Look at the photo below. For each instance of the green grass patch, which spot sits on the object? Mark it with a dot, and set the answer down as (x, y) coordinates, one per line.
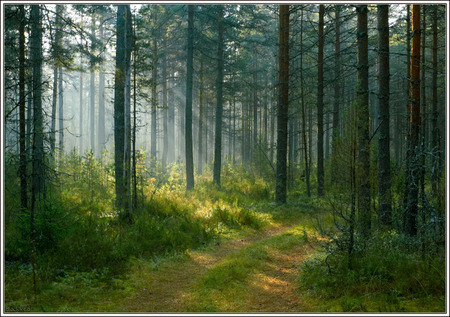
(387, 277)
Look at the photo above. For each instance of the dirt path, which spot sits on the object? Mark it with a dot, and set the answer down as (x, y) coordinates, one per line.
(171, 287)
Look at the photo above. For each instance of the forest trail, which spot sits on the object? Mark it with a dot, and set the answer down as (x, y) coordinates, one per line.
(179, 286)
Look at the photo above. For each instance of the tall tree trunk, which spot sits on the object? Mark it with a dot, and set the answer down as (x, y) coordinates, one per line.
(58, 38)
(92, 89)
(408, 95)
(134, 119)
(320, 170)
(171, 124)
(38, 171)
(423, 111)
(127, 97)
(243, 133)
(81, 113)
(38, 165)
(234, 129)
(219, 106)
(53, 118)
(189, 75)
(384, 157)
(101, 100)
(414, 173)
(283, 104)
(363, 122)
(206, 132)
(165, 113)
(337, 90)
(302, 93)
(29, 79)
(200, 123)
(154, 92)
(272, 121)
(56, 46)
(37, 188)
(22, 100)
(255, 103)
(121, 106)
(61, 110)
(435, 175)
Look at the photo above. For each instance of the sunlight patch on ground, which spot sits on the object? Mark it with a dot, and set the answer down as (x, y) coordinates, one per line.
(203, 259)
(270, 283)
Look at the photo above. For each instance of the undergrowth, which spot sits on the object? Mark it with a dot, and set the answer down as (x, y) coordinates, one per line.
(83, 244)
(390, 275)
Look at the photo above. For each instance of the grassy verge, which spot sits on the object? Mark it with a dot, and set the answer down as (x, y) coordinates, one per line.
(387, 277)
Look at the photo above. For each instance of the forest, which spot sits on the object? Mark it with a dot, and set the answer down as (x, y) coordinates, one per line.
(219, 158)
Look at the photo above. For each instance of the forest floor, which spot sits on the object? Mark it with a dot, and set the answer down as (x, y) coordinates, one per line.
(222, 277)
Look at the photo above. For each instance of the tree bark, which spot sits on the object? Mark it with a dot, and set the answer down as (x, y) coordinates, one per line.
(200, 123)
(171, 124)
(435, 175)
(121, 106)
(219, 106)
(53, 117)
(423, 111)
(414, 173)
(154, 92)
(165, 113)
(92, 89)
(22, 122)
(101, 101)
(363, 122)
(188, 109)
(320, 170)
(302, 93)
(408, 96)
(61, 110)
(37, 176)
(337, 90)
(384, 157)
(283, 104)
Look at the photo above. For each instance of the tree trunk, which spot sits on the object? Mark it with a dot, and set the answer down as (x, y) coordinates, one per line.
(320, 171)
(255, 104)
(435, 175)
(423, 111)
(234, 129)
(171, 124)
(414, 173)
(154, 92)
(363, 122)
(22, 122)
(127, 97)
(53, 118)
(134, 119)
(165, 113)
(188, 109)
(37, 176)
(337, 91)
(384, 157)
(283, 104)
(81, 109)
(200, 123)
(92, 90)
(61, 110)
(219, 106)
(302, 93)
(121, 113)
(408, 92)
(101, 102)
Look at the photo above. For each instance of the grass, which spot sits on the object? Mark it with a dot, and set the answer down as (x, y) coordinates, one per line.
(228, 249)
(385, 278)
